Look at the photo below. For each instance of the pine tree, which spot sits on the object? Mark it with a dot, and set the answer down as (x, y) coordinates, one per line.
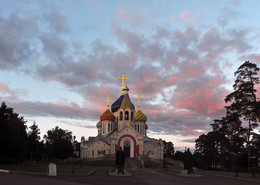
(243, 99)
(13, 136)
(34, 142)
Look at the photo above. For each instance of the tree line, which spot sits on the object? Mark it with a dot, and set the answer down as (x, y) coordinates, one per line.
(233, 142)
(19, 143)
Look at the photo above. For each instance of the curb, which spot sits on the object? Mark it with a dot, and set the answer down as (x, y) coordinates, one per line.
(45, 174)
(4, 171)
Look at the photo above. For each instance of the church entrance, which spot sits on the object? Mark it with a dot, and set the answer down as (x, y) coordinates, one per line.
(127, 148)
(128, 144)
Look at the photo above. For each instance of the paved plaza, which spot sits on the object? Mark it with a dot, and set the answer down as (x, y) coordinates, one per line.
(101, 177)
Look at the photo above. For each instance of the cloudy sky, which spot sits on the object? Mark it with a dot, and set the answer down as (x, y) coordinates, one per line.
(60, 59)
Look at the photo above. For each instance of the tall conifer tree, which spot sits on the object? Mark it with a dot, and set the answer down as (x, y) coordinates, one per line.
(243, 99)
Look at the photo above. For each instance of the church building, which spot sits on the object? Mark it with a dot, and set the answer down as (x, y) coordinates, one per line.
(122, 126)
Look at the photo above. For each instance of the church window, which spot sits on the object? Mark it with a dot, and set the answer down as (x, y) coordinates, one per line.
(126, 115)
(104, 128)
(121, 116)
(93, 153)
(98, 152)
(138, 128)
(108, 127)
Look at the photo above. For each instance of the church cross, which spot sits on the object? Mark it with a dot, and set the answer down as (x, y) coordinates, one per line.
(108, 97)
(123, 80)
(139, 101)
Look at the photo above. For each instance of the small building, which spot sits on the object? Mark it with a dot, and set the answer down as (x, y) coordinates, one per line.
(122, 126)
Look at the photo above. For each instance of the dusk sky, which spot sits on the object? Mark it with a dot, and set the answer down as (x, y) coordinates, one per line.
(60, 59)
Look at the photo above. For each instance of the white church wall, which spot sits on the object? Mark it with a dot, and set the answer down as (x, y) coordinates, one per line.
(97, 149)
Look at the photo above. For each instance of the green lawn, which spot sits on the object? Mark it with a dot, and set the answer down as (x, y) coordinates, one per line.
(63, 167)
(153, 164)
(43, 168)
(108, 163)
(99, 163)
(170, 168)
(175, 170)
(232, 174)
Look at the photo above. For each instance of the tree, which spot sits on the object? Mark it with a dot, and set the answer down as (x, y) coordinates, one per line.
(243, 99)
(36, 147)
(169, 149)
(13, 136)
(58, 143)
(205, 147)
(255, 148)
(179, 155)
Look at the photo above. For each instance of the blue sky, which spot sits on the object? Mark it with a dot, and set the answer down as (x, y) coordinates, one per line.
(59, 60)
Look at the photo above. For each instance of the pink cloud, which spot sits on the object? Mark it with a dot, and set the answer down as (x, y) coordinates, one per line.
(192, 133)
(205, 101)
(131, 17)
(190, 17)
(186, 16)
(8, 93)
(4, 88)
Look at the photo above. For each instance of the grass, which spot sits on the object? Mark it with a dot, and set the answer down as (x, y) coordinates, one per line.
(106, 163)
(170, 168)
(233, 174)
(175, 170)
(24, 168)
(153, 164)
(63, 167)
(43, 168)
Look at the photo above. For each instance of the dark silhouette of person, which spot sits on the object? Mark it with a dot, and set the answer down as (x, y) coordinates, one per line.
(120, 158)
(188, 161)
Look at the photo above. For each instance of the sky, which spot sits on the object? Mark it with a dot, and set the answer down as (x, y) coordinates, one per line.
(60, 59)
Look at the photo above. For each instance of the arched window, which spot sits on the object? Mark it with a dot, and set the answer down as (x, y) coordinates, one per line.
(121, 116)
(132, 116)
(93, 153)
(126, 115)
(108, 127)
(104, 128)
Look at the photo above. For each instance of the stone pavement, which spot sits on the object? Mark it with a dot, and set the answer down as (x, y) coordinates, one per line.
(101, 177)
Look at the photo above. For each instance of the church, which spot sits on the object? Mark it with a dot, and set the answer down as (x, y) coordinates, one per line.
(121, 125)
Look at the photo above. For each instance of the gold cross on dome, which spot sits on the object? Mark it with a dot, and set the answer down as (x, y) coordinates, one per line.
(123, 80)
(139, 101)
(108, 97)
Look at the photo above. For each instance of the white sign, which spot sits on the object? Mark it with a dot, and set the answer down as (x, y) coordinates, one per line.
(52, 169)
